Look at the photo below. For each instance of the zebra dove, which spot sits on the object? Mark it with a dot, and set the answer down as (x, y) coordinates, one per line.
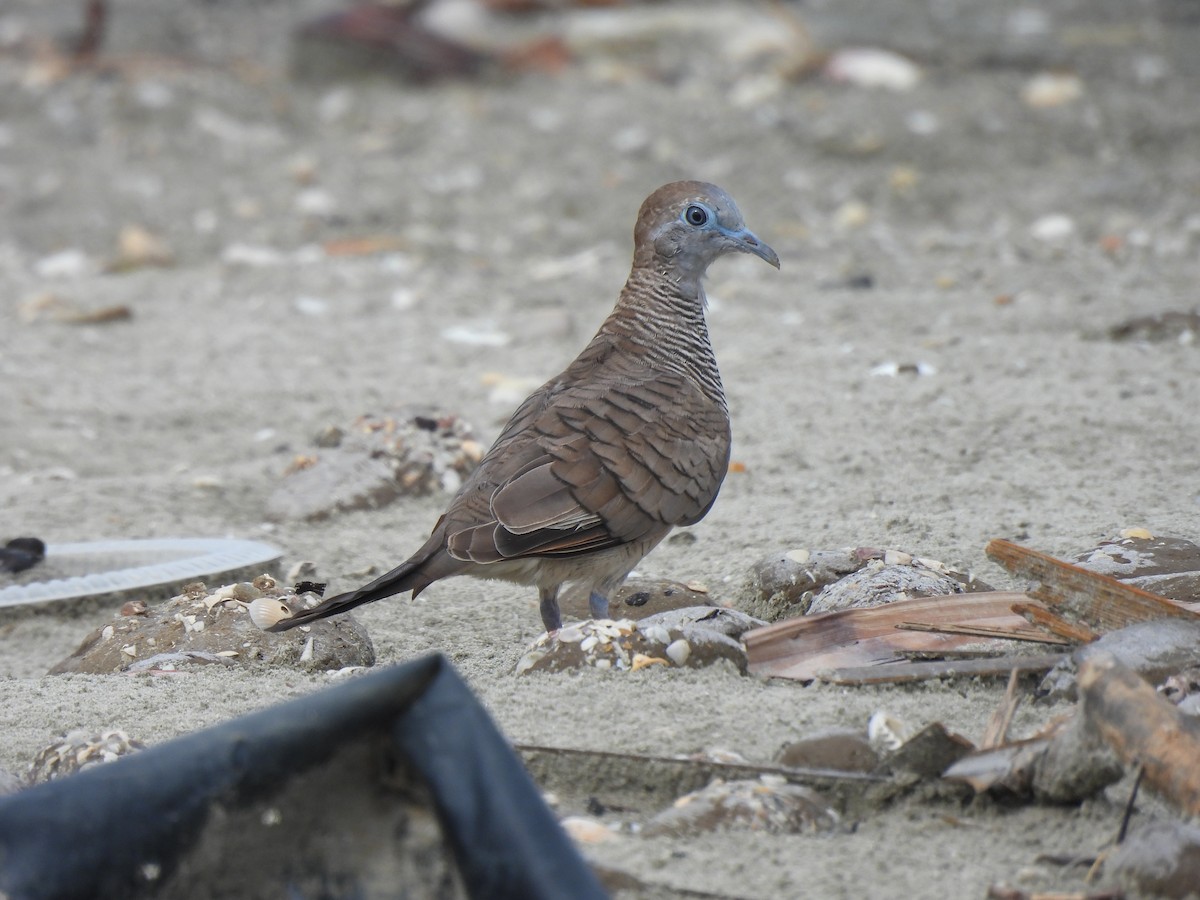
(602, 461)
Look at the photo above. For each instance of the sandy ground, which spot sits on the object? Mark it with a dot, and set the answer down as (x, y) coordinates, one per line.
(511, 201)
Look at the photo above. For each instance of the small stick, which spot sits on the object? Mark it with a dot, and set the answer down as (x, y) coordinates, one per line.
(1137, 783)
(996, 733)
(987, 631)
(95, 22)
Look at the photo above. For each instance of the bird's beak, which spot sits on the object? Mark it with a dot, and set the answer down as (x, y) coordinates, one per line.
(748, 242)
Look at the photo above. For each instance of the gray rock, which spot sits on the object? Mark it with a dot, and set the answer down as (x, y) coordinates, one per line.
(843, 749)
(1155, 650)
(877, 583)
(1161, 859)
(783, 584)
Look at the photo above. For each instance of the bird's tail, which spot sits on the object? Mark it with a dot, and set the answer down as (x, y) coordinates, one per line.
(408, 576)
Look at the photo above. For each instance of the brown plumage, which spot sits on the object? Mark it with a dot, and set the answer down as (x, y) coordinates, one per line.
(599, 463)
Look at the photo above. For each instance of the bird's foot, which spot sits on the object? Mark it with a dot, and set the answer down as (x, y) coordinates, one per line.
(551, 615)
(598, 606)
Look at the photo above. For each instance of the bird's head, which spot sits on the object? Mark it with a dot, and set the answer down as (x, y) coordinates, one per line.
(687, 224)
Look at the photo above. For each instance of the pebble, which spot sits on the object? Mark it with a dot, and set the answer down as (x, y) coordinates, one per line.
(1053, 228)
(71, 263)
(872, 67)
(1050, 89)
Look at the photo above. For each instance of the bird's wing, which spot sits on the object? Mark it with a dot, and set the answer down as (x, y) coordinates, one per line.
(596, 463)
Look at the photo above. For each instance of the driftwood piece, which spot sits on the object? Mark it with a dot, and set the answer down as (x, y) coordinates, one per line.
(805, 647)
(1096, 601)
(905, 672)
(1144, 728)
(1057, 626)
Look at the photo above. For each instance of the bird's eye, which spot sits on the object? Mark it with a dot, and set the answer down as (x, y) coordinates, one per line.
(696, 215)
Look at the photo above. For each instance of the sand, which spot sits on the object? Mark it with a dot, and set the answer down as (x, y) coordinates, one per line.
(511, 202)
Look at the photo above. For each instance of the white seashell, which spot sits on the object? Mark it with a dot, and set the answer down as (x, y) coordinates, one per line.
(528, 661)
(266, 611)
(933, 565)
(227, 653)
(306, 654)
(897, 558)
(679, 651)
(588, 643)
(656, 633)
(799, 556)
(603, 664)
(572, 634)
(129, 649)
(107, 633)
(887, 731)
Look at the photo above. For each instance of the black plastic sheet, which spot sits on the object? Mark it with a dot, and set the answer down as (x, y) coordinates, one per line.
(304, 799)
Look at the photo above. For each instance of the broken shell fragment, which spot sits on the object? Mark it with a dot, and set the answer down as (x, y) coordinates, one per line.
(266, 611)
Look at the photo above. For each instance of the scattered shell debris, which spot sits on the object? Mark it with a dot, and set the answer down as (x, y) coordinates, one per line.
(375, 460)
(627, 646)
(223, 627)
(800, 581)
(769, 804)
(79, 750)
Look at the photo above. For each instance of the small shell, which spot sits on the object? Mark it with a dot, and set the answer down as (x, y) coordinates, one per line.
(897, 558)
(1142, 533)
(572, 634)
(656, 633)
(306, 654)
(264, 582)
(107, 633)
(588, 643)
(679, 651)
(129, 649)
(642, 661)
(266, 611)
(586, 831)
(887, 732)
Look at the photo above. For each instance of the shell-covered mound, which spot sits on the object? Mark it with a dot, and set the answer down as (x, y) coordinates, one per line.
(673, 640)
(217, 627)
(374, 460)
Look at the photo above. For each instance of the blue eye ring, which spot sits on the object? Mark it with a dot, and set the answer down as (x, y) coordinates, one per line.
(696, 215)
